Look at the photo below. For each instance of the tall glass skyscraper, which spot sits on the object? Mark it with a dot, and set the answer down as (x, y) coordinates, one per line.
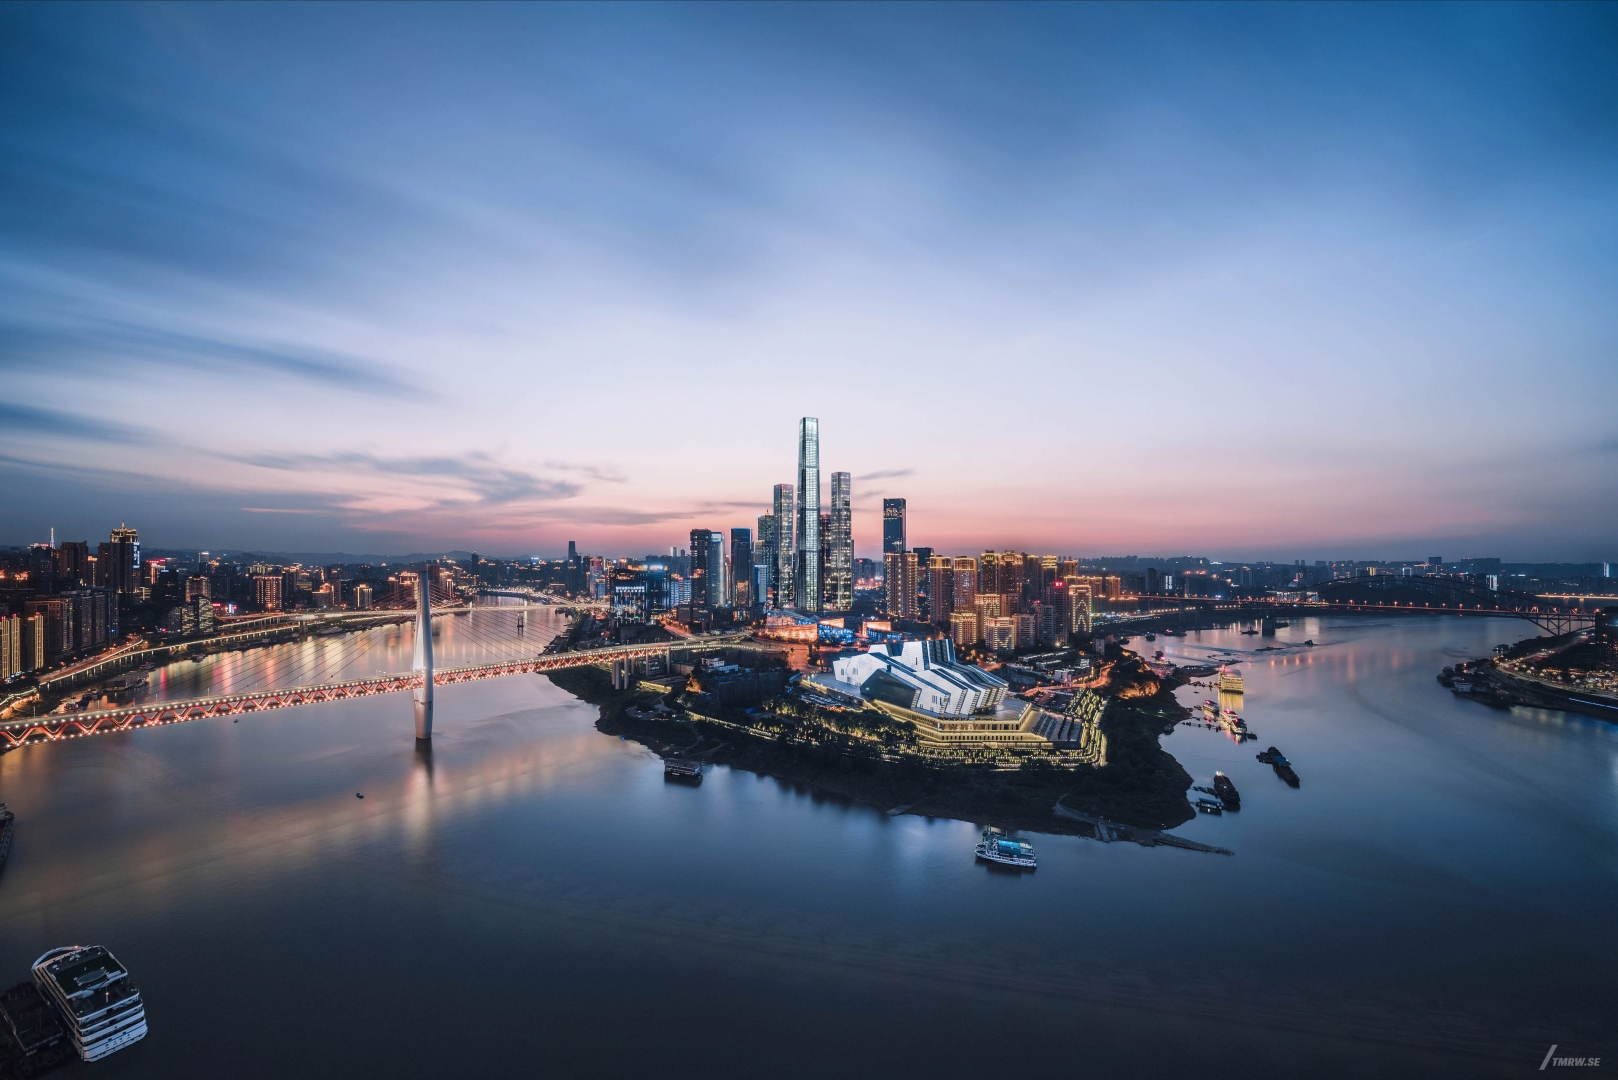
(785, 551)
(808, 531)
(741, 568)
(840, 566)
(893, 526)
(764, 559)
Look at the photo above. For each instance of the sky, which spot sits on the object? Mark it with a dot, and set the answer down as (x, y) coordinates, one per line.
(1275, 281)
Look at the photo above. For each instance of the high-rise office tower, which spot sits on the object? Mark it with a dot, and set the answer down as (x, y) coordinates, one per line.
(966, 583)
(124, 548)
(840, 566)
(893, 525)
(825, 561)
(786, 555)
(718, 591)
(741, 567)
(808, 530)
(761, 582)
(899, 583)
(940, 587)
(989, 573)
(764, 559)
(702, 570)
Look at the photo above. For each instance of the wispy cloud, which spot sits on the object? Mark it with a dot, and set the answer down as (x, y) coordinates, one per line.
(48, 423)
(885, 474)
(475, 471)
(100, 343)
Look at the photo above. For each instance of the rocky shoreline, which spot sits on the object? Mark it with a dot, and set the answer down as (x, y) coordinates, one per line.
(1141, 787)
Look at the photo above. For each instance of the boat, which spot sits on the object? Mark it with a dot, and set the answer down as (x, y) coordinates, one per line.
(681, 769)
(1230, 683)
(1150, 636)
(1006, 850)
(35, 1029)
(1227, 791)
(8, 822)
(1209, 806)
(95, 996)
(1462, 686)
(1283, 768)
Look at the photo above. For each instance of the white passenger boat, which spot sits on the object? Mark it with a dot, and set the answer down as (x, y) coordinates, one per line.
(95, 996)
(997, 847)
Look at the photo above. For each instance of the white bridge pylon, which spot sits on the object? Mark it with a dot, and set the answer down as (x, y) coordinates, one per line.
(423, 693)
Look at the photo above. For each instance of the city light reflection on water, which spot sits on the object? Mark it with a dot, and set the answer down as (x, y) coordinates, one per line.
(531, 888)
(485, 635)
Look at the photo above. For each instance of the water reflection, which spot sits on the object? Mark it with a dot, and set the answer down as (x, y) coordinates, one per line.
(484, 635)
(1441, 879)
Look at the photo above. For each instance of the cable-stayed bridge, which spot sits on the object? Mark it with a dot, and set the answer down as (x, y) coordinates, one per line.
(478, 641)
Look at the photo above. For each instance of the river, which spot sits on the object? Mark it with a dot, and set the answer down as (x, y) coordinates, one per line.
(533, 898)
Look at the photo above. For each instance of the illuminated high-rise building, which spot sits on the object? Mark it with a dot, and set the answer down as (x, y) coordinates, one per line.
(786, 553)
(124, 568)
(941, 587)
(963, 627)
(965, 583)
(808, 522)
(893, 525)
(989, 573)
(840, 547)
(899, 583)
(1079, 606)
(986, 606)
(267, 591)
(764, 559)
(741, 568)
(1000, 634)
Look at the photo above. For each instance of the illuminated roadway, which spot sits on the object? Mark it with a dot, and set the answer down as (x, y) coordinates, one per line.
(153, 714)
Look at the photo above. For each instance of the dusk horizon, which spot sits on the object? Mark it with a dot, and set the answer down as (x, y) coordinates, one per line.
(910, 541)
(1306, 282)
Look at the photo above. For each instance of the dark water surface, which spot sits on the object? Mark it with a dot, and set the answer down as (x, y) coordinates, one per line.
(1438, 898)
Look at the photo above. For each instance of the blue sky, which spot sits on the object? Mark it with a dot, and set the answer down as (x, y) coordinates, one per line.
(1285, 281)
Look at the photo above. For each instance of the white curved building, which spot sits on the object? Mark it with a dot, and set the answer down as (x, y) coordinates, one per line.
(921, 676)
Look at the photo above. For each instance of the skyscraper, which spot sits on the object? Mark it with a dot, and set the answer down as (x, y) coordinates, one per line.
(899, 583)
(941, 587)
(741, 567)
(717, 593)
(764, 559)
(893, 525)
(703, 571)
(786, 559)
(840, 568)
(966, 583)
(124, 548)
(808, 530)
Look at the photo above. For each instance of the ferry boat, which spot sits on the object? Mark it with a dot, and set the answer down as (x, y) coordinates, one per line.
(34, 1028)
(95, 996)
(1230, 683)
(998, 847)
(689, 772)
(1226, 791)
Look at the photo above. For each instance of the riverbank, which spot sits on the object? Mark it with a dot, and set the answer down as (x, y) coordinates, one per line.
(1141, 786)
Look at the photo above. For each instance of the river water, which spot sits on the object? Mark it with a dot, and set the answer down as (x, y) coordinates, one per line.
(533, 898)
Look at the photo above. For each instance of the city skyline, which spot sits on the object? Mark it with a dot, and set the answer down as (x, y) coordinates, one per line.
(1339, 295)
